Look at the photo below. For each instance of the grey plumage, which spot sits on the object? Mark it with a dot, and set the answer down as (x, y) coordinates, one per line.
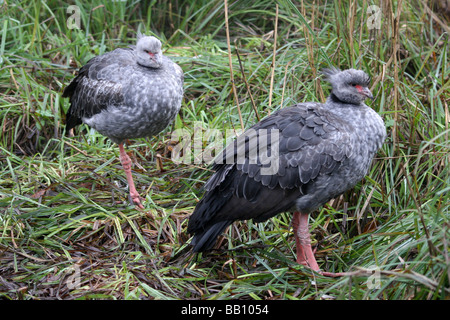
(324, 149)
(127, 93)
(121, 97)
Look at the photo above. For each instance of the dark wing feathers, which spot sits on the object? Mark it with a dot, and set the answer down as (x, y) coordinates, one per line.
(307, 149)
(220, 207)
(93, 90)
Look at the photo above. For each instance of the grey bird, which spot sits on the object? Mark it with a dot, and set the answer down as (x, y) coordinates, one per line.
(127, 93)
(320, 151)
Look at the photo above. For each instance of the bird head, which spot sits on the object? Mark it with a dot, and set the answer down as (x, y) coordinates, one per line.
(349, 86)
(149, 52)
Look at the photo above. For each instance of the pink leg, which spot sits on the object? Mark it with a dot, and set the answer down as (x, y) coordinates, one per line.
(126, 164)
(305, 254)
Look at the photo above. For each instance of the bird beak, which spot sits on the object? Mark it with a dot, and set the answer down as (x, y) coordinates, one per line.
(365, 91)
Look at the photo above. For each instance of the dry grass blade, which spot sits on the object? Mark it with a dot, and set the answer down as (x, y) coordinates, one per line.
(274, 56)
(255, 108)
(230, 63)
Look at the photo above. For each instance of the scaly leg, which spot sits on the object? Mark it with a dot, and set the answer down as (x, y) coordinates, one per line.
(126, 164)
(305, 254)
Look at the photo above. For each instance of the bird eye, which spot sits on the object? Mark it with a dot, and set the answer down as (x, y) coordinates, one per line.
(353, 84)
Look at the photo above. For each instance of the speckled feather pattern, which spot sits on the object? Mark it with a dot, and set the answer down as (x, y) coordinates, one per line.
(324, 149)
(122, 99)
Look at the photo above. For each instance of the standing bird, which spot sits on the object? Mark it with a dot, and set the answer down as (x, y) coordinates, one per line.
(127, 93)
(321, 150)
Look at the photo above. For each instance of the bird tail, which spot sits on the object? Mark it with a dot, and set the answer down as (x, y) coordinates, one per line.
(205, 239)
(206, 223)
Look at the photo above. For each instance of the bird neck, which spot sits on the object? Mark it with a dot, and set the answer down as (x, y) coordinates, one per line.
(334, 99)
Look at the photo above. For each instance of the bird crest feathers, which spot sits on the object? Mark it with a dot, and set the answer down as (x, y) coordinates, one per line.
(139, 35)
(334, 74)
(330, 72)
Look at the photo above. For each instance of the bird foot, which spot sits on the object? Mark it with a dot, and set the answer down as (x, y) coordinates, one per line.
(136, 199)
(334, 274)
(311, 264)
(305, 253)
(314, 266)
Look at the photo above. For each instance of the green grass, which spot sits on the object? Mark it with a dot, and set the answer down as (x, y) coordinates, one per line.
(67, 230)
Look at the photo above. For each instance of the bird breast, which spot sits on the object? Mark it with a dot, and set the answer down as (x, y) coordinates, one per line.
(367, 133)
(151, 100)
